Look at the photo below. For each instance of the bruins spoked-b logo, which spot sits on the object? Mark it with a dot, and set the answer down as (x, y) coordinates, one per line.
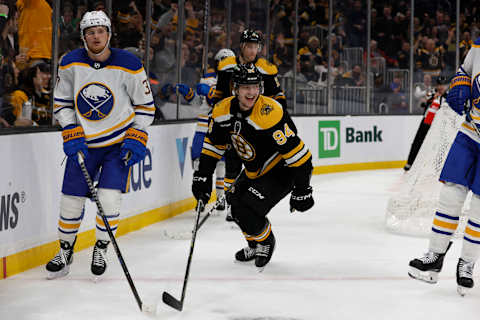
(243, 148)
(95, 101)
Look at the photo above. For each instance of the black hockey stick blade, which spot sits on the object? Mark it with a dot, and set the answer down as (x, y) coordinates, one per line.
(168, 299)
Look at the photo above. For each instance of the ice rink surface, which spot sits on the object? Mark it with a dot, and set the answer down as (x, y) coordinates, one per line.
(336, 261)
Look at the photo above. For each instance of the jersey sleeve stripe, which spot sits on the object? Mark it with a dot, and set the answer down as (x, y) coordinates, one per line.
(144, 104)
(210, 153)
(145, 108)
(57, 110)
(212, 148)
(123, 123)
(144, 114)
(63, 100)
(302, 160)
(296, 156)
(292, 152)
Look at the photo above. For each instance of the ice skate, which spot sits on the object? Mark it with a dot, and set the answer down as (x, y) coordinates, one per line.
(99, 259)
(246, 254)
(264, 252)
(59, 266)
(464, 276)
(427, 267)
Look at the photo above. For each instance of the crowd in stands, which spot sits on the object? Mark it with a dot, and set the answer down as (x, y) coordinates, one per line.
(26, 27)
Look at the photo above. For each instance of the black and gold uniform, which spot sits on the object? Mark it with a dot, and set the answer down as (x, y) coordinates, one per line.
(276, 162)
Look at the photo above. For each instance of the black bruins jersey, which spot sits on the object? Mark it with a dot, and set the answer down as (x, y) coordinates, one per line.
(271, 85)
(263, 137)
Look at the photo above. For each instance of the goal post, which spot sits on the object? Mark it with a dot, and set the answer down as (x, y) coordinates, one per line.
(411, 208)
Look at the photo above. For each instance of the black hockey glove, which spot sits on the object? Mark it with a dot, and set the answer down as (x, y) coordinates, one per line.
(301, 199)
(202, 186)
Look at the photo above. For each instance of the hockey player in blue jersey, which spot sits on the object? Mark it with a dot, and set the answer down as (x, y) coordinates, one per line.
(205, 88)
(104, 104)
(460, 173)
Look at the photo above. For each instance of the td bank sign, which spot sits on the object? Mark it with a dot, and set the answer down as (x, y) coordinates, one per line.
(329, 137)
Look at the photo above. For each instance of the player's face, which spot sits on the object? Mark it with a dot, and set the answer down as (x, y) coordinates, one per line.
(248, 95)
(96, 38)
(249, 51)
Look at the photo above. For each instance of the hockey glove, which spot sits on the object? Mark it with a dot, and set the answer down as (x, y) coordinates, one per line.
(74, 141)
(185, 91)
(301, 199)
(203, 89)
(459, 93)
(201, 186)
(134, 146)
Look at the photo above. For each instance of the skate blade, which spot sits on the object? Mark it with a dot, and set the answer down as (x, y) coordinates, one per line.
(425, 276)
(462, 291)
(59, 274)
(97, 277)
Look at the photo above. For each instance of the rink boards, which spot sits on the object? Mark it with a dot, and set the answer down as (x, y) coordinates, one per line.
(32, 169)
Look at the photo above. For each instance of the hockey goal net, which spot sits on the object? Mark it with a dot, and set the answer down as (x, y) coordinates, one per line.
(411, 209)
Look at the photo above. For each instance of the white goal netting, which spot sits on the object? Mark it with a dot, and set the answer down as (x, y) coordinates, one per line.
(410, 210)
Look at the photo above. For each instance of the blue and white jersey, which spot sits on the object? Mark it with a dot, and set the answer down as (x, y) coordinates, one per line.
(202, 118)
(105, 98)
(471, 67)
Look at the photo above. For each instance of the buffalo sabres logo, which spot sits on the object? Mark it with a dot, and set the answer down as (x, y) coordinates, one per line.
(95, 101)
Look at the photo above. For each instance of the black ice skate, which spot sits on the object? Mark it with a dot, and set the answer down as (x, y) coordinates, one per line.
(464, 276)
(221, 205)
(264, 251)
(59, 266)
(99, 258)
(427, 267)
(247, 253)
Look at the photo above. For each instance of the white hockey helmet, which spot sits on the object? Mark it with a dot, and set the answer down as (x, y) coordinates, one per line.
(223, 53)
(94, 19)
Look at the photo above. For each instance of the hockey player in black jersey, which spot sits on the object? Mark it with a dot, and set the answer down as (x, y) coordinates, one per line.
(250, 44)
(276, 161)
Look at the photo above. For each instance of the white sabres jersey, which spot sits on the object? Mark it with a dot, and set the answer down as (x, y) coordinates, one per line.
(205, 109)
(105, 98)
(471, 67)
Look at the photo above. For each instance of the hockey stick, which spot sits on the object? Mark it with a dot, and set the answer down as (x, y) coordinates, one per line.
(89, 181)
(207, 215)
(168, 298)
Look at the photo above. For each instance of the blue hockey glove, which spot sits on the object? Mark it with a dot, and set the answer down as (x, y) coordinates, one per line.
(459, 93)
(203, 89)
(134, 146)
(185, 91)
(301, 199)
(74, 140)
(201, 186)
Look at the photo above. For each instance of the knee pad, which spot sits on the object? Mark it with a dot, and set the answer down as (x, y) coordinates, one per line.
(452, 197)
(71, 215)
(110, 200)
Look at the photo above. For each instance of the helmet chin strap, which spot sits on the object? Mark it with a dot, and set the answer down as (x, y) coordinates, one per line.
(103, 50)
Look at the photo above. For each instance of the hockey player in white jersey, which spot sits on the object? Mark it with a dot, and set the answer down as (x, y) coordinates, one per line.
(206, 88)
(460, 173)
(104, 104)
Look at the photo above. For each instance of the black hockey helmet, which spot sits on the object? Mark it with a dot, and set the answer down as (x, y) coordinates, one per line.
(246, 74)
(250, 35)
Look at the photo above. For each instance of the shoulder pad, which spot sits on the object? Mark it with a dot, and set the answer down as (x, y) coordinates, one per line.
(125, 59)
(266, 67)
(222, 109)
(227, 63)
(477, 42)
(266, 113)
(77, 55)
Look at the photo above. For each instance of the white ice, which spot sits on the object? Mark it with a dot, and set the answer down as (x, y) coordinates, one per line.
(336, 261)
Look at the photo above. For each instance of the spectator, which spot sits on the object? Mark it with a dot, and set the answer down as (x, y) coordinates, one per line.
(403, 56)
(35, 29)
(397, 99)
(430, 59)
(355, 76)
(33, 91)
